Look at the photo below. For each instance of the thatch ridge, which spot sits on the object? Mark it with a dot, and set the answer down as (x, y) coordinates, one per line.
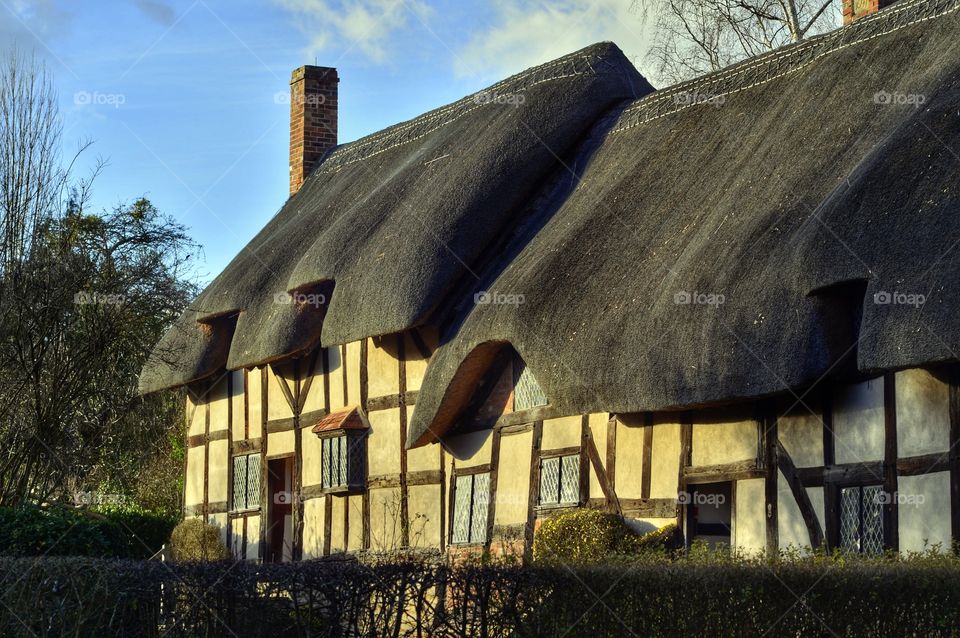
(386, 226)
(802, 200)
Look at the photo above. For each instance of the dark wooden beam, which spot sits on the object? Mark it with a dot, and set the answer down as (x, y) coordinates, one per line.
(327, 523)
(767, 421)
(800, 495)
(686, 455)
(954, 456)
(891, 510)
(646, 469)
(202, 439)
(609, 494)
(722, 472)
(264, 475)
(404, 493)
(831, 496)
(390, 401)
(534, 491)
(584, 458)
(611, 464)
(492, 495)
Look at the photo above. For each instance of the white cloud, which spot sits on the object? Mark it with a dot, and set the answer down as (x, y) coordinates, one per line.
(529, 33)
(336, 26)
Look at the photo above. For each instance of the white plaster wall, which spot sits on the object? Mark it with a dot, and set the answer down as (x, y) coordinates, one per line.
(749, 521)
(858, 422)
(791, 526)
(924, 511)
(801, 434)
(312, 528)
(923, 413)
(665, 460)
(715, 443)
(560, 433)
(629, 460)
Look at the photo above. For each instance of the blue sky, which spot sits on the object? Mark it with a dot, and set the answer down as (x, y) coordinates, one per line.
(180, 96)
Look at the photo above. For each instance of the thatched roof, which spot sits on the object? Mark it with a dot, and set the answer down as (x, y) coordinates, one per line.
(804, 187)
(391, 222)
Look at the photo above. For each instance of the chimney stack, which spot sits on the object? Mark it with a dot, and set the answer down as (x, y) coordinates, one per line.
(313, 119)
(856, 9)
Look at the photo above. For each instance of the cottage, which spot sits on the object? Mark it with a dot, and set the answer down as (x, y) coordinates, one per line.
(727, 304)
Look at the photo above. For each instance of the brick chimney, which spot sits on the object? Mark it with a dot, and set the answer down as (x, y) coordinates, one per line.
(856, 9)
(313, 119)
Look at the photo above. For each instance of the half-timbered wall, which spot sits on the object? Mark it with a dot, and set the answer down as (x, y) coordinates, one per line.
(781, 465)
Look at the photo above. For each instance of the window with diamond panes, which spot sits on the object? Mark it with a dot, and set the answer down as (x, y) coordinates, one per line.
(341, 460)
(470, 507)
(861, 519)
(560, 480)
(246, 482)
(527, 393)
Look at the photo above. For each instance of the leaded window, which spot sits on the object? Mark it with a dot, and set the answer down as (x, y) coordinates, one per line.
(560, 480)
(527, 393)
(861, 519)
(246, 482)
(342, 461)
(471, 503)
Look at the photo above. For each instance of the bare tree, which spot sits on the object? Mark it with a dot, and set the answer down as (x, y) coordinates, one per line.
(693, 37)
(83, 298)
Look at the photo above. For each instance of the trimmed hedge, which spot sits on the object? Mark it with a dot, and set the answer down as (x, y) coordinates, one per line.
(584, 536)
(57, 530)
(650, 596)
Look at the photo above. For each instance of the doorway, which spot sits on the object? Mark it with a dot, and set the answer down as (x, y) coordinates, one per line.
(709, 514)
(279, 510)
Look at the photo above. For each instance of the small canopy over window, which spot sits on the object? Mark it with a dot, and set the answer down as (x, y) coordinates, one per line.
(343, 450)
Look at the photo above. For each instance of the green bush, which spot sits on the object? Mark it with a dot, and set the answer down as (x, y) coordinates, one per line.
(58, 530)
(582, 536)
(194, 540)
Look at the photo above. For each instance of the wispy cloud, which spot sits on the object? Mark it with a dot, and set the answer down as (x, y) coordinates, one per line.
(528, 33)
(158, 11)
(368, 26)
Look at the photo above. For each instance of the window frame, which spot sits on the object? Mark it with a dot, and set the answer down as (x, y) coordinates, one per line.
(355, 475)
(473, 474)
(861, 521)
(233, 509)
(571, 453)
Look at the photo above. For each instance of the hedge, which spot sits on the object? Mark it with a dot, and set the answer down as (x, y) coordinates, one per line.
(427, 598)
(59, 530)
